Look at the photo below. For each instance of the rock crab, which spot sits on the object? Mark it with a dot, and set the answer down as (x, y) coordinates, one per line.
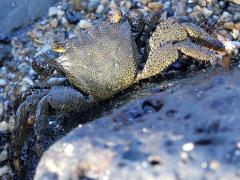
(105, 60)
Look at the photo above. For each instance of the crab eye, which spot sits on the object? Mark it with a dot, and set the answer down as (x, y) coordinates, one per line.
(58, 47)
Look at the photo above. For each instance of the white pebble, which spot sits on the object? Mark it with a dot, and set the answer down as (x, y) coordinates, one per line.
(3, 156)
(28, 81)
(83, 24)
(226, 17)
(188, 147)
(3, 126)
(3, 82)
(52, 11)
(206, 12)
(3, 170)
(100, 9)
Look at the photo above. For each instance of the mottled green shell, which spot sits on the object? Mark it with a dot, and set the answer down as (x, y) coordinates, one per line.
(101, 61)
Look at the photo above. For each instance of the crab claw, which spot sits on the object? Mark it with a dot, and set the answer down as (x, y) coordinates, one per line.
(174, 36)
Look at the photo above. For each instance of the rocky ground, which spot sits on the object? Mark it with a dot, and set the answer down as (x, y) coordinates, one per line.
(189, 131)
(65, 20)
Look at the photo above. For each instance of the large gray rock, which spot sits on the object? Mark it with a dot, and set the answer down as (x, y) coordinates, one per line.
(17, 13)
(185, 132)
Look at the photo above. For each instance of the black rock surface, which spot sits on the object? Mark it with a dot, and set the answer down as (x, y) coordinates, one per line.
(185, 132)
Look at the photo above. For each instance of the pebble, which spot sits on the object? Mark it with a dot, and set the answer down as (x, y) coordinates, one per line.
(206, 12)
(53, 23)
(65, 22)
(3, 126)
(3, 170)
(214, 165)
(237, 26)
(236, 17)
(235, 33)
(79, 5)
(202, 3)
(235, 1)
(128, 5)
(92, 5)
(155, 6)
(3, 155)
(3, 82)
(28, 81)
(83, 24)
(226, 17)
(72, 17)
(54, 11)
(229, 25)
(188, 146)
(100, 9)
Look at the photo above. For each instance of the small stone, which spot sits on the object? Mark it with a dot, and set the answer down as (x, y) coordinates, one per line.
(3, 126)
(226, 17)
(128, 4)
(155, 6)
(235, 1)
(65, 22)
(53, 23)
(206, 12)
(235, 33)
(55, 11)
(83, 24)
(229, 25)
(3, 82)
(222, 4)
(145, 2)
(100, 9)
(52, 11)
(188, 147)
(237, 26)
(72, 17)
(3, 155)
(92, 5)
(236, 17)
(202, 3)
(214, 165)
(28, 81)
(79, 5)
(3, 170)
(181, 9)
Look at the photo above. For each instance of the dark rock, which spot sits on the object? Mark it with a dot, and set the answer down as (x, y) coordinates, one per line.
(92, 5)
(4, 39)
(190, 132)
(73, 17)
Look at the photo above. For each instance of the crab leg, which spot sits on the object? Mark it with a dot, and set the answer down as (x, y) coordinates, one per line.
(62, 99)
(160, 58)
(200, 35)
(24, 110)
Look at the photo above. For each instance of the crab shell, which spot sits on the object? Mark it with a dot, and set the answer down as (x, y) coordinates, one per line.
(101, 61)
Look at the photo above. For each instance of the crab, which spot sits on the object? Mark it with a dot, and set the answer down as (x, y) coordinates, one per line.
(104, 61)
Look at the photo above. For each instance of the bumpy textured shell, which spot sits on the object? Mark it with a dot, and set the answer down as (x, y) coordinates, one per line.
(101, 61)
